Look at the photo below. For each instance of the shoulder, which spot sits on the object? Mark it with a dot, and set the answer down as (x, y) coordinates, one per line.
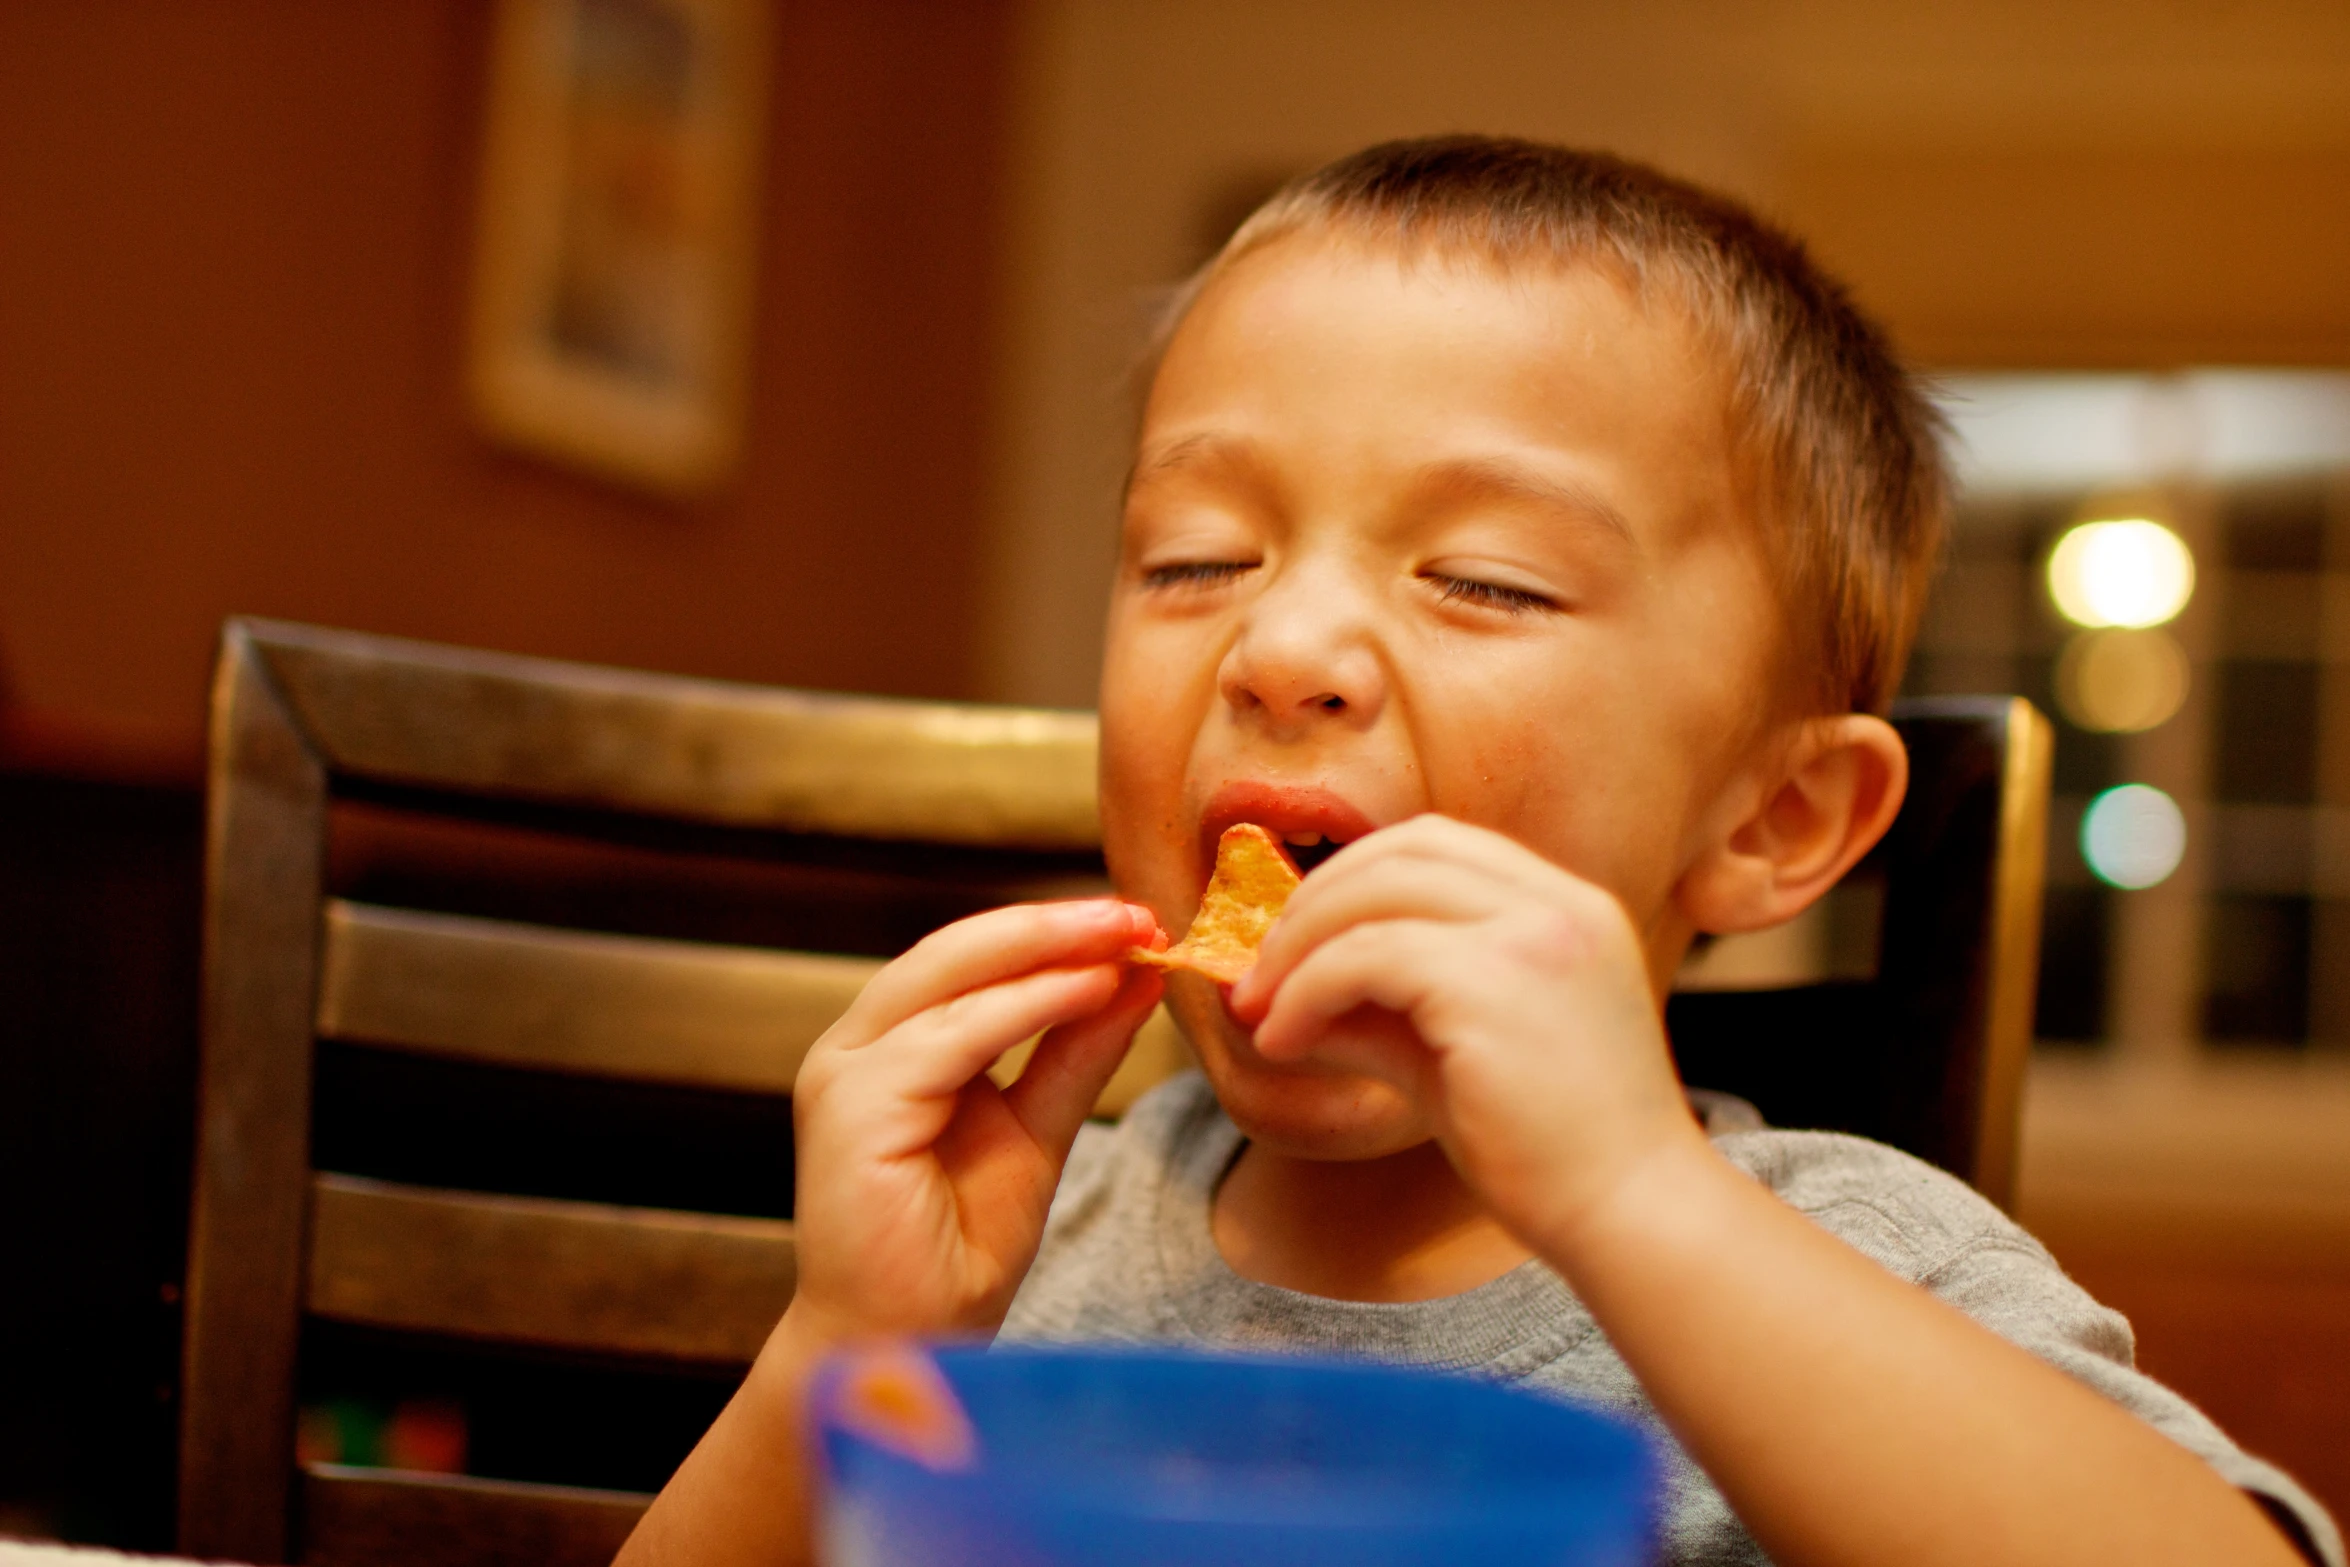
(1929, 1227)
(1897, 1209)
(1936, 1231)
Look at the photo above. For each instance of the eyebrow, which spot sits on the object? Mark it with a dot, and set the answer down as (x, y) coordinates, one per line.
(1449, 479)
(1207, 449)
(1478, 478)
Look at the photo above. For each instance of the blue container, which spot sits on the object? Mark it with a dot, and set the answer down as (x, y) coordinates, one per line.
(1166, 1459)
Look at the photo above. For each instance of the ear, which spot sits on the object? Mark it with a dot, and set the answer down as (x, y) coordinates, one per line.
(1829, 795)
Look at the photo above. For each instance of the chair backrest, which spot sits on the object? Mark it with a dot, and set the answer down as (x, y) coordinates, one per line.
(305, 722)
(303, 719)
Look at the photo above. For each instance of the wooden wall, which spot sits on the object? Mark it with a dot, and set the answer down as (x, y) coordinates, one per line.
(232, 273)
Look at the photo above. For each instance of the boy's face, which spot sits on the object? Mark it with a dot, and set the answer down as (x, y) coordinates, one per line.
(1426, 538)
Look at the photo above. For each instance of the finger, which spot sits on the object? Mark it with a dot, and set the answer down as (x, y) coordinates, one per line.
(1389, 887)
(936, 1051)
(1074, 1063)
(1430, 837)
(1444, 858)
(1388, 964)
(1373, 1042)
(986, 948)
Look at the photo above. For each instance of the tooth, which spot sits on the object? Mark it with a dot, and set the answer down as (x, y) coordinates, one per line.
(1302, 840)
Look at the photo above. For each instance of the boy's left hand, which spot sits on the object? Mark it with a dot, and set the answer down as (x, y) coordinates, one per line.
(1514, 1006)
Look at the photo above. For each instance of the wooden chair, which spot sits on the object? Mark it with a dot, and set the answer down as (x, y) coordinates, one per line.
(306, 721)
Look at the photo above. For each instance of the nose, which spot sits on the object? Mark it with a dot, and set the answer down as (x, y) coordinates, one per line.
(1307, 654)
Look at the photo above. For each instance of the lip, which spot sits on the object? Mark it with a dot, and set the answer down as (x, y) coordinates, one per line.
(1281, 809)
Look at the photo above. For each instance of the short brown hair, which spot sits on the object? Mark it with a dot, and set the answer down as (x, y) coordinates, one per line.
(1846, 445)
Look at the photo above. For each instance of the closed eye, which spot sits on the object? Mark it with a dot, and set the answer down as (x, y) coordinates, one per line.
(1195, 573)
(1489, 595)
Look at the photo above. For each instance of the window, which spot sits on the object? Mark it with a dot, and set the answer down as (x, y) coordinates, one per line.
(2236, 707)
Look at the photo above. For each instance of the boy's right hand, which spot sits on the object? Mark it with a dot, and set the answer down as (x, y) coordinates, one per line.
(922, 1186)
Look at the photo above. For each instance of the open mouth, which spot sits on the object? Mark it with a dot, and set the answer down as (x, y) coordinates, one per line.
(1311, 822)
(1307, 850)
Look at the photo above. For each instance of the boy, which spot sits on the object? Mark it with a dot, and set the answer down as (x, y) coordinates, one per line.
(1533, 542)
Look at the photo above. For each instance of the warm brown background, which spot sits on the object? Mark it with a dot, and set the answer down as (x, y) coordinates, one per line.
(234, 241)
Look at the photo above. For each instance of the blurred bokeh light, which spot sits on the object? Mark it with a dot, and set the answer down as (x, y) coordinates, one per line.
(2133, 836)
(2122, 680)
(2129, 571)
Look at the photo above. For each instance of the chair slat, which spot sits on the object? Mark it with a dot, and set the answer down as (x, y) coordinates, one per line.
(695, 750)
(736, 1018)
(567, 1275)
(396, 1518)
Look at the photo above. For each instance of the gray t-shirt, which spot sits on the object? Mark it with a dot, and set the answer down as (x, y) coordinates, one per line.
(1128, 1258)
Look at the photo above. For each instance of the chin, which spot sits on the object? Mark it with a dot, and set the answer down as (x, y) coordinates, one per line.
(1300, 1111)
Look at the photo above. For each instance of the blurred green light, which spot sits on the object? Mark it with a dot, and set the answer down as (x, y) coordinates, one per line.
(2133, 836)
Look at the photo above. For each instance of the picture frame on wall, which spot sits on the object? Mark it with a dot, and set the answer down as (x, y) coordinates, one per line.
(616, 241)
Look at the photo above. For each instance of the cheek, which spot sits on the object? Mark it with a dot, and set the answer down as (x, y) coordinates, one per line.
(1580, 770)
(1148, 727)
(1147, 850)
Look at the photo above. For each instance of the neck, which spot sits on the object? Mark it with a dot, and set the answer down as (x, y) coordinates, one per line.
(1399, 1228)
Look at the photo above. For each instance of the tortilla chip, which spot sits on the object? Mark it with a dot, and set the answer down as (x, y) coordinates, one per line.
(1253, 880)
